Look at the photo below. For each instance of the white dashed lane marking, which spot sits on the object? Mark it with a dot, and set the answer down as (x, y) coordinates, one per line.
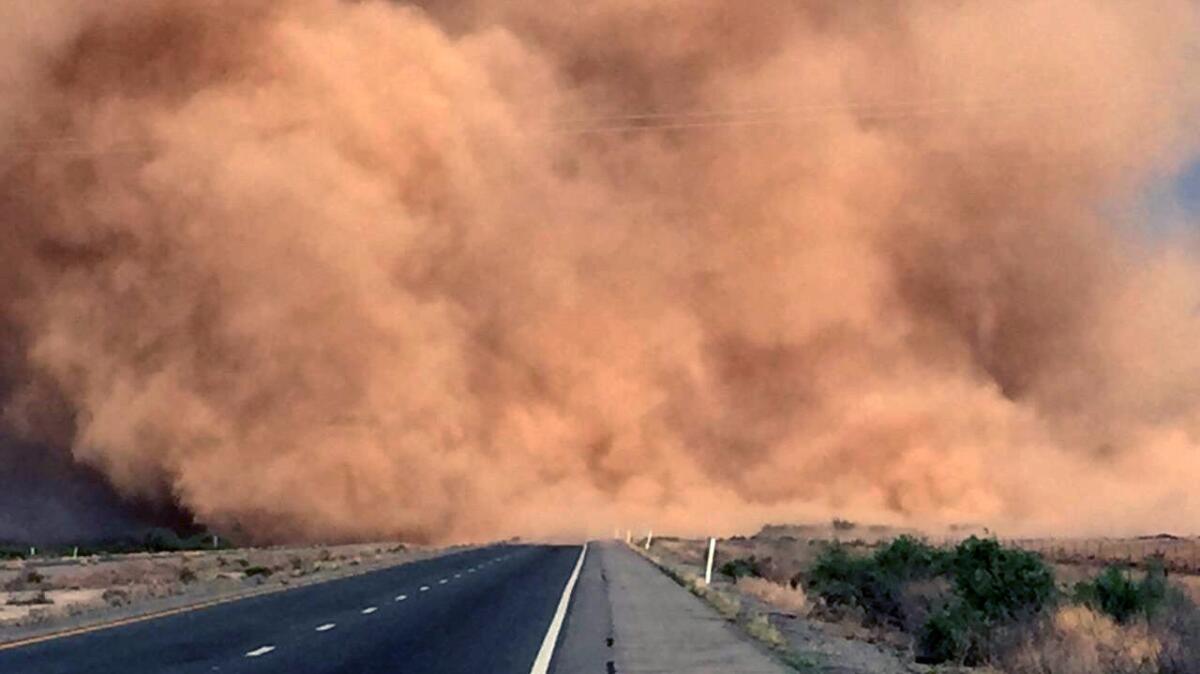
(424, 588)
(326, 627)
(443, 581)
(369, 610)
(401, 597)
(260, 651)
(458, 575)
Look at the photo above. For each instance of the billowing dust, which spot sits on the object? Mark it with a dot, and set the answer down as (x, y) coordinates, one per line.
(334, 270)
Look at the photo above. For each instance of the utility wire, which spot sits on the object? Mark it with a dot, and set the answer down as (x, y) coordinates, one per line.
(648, 121)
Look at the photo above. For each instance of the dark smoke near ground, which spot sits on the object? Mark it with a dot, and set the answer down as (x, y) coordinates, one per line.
(46, 498)
(334, 270)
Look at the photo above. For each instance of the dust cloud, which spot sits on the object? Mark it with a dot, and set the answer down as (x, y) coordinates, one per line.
(339, 270)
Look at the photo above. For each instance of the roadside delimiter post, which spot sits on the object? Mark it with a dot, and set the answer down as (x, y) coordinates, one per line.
(712, 549)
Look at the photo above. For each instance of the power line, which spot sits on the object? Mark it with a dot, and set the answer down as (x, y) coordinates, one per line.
(647, 121)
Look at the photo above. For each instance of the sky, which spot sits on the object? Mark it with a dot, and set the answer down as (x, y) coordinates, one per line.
(1186, 187)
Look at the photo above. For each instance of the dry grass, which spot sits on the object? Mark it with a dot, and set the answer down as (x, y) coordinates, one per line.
(1078, 640)
(782, 597)
(759, 627)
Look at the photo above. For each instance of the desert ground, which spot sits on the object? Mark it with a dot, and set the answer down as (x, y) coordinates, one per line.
(767, 583)
(39, 594)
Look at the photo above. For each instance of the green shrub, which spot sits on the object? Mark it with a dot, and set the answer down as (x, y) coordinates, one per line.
(13, 552)
(994, 587)
(742, 567)
(909, 558)
(844, 579)
(1116, 593)
(1000, 583)
(874, 584)
(952, 634)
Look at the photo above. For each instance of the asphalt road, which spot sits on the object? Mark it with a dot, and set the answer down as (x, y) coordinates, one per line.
(484, 610)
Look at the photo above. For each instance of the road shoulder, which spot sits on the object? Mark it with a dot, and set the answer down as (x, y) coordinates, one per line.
(660, 627)
(586, 642)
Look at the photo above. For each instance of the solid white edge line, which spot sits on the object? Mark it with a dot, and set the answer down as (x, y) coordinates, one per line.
(541, 664)
(260, 651)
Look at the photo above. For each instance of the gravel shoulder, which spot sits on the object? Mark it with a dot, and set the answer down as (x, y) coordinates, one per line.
(659, 627)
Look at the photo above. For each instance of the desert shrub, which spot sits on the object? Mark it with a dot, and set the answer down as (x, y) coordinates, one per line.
(13, 552)
(920, 599)
(202, 541)
(162, 540)
(843, 579)
(30, 580)
(909, 558)
(258, 571)
(1000, 583)
(1117, 594)
(994, 588)
(742, 567)
(32, 599)
(951, 634)
(955, 601)
(187, 575)
(876, 583)
(843, 525)
(115, 596)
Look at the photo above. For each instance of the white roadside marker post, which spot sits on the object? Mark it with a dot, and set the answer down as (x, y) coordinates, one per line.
(712, 549)
(628, 536)
(75, 553)
(649, 538)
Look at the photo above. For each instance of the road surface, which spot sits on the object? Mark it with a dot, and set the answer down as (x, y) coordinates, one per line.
(520, 609)
(485, 610)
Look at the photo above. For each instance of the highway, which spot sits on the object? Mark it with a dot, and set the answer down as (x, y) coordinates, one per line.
(483, 610)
